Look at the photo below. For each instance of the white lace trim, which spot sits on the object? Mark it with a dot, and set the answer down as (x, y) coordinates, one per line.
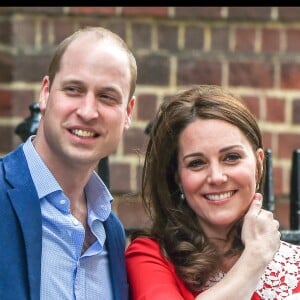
(281, 276)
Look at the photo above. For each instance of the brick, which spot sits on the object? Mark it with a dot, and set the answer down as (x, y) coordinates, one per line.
(296, 112)
(119, 177)
(282, 213)
(6, 10)
(6, 34)
(289, 76)
(45, 36)
(93, 10)
(5, 103)
(6, 141)
(117, 26)
(252, 103)
(33, 9)
(244, 39)
(85, 22)
(292, 38)
(141, 36)
(49, 10)
(22, 99)
(275, 110)
(249, 13)
(278, 181)
(288, 142)
(197, 71)
(267, 141)
(6, 67)
(31, 67)
(153, 69)
(270, 40)
(220, 39)
(198, 12)
(289, 13)
(146, 106)
(134, 141)
(194, 38)
(145, 11)
(62, 28)
(24, 33)
(254, 74)
(167, 37)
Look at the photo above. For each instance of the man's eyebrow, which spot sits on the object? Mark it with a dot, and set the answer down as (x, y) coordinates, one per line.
(73, 81)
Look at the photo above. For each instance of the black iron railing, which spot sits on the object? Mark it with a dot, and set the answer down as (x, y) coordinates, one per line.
(291, 235)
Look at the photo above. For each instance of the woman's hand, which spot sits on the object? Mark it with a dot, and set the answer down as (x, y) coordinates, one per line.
(260, 232)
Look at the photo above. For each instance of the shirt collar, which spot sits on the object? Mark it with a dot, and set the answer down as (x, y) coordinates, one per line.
(99, 197)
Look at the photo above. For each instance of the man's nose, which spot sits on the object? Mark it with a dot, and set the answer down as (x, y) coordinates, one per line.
(88, 108)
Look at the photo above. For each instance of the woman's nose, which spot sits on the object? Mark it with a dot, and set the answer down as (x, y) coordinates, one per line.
(216, 176)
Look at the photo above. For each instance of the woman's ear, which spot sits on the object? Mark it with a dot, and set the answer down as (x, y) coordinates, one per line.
(260, 162)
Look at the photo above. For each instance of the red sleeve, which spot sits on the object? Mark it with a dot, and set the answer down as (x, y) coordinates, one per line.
(151, 276)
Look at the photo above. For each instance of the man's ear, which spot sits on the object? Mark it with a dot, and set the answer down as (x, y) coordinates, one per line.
(129, 111)
(44, 94)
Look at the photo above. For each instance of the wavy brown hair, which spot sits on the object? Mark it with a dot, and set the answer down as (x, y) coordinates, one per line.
(174, 224)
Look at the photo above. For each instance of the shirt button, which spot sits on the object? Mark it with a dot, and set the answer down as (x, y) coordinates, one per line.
(62, 201)
(104, 207)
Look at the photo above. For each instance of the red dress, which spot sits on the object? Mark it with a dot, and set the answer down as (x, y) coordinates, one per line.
(152, 276)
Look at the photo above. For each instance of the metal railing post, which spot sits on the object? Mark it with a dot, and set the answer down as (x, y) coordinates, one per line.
(295, 191)
(269, 199)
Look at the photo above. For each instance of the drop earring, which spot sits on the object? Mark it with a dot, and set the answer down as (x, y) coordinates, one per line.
(182, 197)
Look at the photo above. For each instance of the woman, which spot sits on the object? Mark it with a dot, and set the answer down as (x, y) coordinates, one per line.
(201, 186)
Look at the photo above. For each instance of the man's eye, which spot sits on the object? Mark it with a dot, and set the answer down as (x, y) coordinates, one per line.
(72, 89)
(108, 98)
(105, 96)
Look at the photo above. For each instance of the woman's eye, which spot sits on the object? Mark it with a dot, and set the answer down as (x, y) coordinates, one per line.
(195, 163)
(232, 157)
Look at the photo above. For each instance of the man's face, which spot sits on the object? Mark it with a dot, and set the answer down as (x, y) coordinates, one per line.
(86, 110)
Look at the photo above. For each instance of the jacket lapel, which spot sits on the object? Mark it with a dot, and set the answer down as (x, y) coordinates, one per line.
(116, 254)
(26, 204)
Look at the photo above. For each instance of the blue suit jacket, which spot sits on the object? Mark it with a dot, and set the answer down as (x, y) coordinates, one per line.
(21, 235)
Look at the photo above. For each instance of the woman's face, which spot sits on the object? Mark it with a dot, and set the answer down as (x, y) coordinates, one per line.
(217, 173)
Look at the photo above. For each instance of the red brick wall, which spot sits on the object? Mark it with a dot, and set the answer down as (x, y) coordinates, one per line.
(255, 51)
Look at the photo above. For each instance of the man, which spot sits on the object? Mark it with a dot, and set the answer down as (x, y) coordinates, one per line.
(59, 237)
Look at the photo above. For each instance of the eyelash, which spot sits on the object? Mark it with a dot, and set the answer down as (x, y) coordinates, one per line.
(230, 158)
(73, 90)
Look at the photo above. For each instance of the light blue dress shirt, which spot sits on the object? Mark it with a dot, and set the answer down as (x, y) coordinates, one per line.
(65, 273)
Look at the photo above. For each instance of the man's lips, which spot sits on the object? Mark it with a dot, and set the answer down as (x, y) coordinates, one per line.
(84, 133)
